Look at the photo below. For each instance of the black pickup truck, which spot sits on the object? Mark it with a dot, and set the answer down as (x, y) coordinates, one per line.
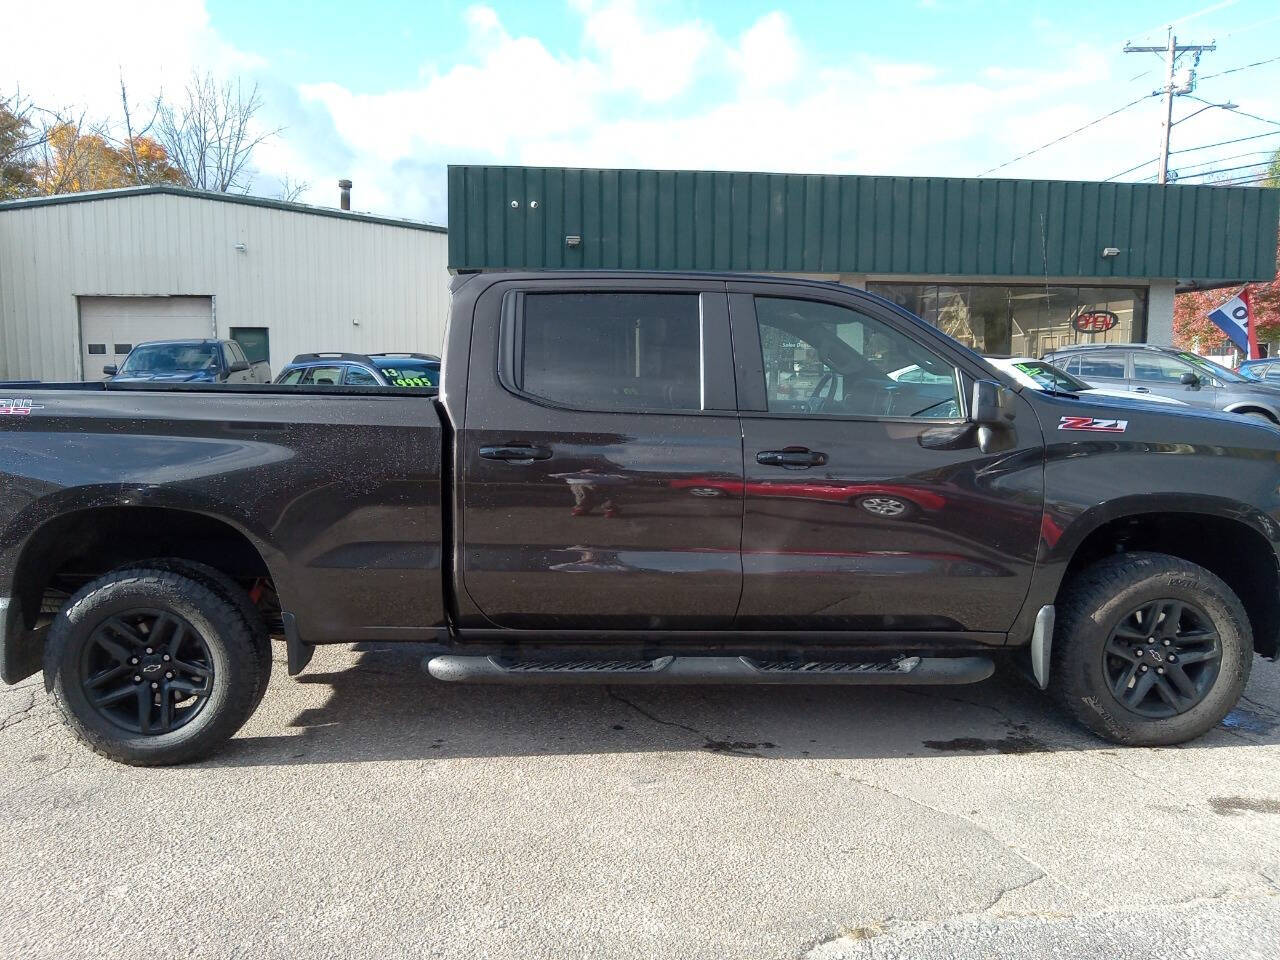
(637, 478)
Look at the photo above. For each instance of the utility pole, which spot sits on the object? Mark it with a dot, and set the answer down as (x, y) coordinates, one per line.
(1172, 50)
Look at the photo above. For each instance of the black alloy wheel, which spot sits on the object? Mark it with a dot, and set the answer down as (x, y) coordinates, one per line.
(1162, 658)
(147, 671)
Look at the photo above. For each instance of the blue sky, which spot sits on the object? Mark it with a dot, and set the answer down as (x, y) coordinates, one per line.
(389, 93)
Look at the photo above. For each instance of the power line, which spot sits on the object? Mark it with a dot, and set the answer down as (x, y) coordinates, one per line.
(1237, 156)
(1223, 143)
(1172, 51)
(1237, 110)
(1203, 146)
(1246, 166)
(1136, 166)
(1247, 66)
(1065, 136)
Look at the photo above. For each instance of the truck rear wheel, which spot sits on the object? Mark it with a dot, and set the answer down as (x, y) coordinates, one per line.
(1149, 649)
(150, 667)
(229, 590)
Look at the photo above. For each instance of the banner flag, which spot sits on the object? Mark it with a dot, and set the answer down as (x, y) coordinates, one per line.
(1235, 318)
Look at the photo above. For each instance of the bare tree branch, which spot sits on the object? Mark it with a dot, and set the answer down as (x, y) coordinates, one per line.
(211, 136)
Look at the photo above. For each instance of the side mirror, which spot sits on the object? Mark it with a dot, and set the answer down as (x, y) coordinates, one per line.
(238, 366)
(110, 369)
(992, 405)
(1189, 379)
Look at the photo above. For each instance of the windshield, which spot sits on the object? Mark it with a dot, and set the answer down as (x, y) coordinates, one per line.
(170, 358)
(409, 371)
(1221, 372)
(1049, 377)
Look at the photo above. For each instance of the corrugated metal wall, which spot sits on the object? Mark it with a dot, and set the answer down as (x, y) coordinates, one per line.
(306, 277)
(794, 223)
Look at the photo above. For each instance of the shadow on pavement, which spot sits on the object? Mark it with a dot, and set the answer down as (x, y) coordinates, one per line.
(386, 708)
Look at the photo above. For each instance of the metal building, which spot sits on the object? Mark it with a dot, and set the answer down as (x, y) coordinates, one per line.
(85, 276)
(1008, 266)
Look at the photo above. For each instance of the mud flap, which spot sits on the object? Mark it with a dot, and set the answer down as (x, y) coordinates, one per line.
(20, 648)
(300, 653)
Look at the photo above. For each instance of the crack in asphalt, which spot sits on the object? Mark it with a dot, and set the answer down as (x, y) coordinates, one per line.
(735, 748)
(990, 907)
(16, 717)
(905, 929)
(1041, 872)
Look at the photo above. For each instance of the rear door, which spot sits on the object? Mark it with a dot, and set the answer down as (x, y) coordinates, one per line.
(1162, 373)
(869, 506)
(600, 458)
(1102, 369)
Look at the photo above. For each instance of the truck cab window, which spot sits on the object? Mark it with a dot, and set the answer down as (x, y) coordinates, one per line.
(611, 351)
(828, 360)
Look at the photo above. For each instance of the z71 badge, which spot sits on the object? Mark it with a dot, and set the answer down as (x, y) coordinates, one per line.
(18, 407)
(1093, 424)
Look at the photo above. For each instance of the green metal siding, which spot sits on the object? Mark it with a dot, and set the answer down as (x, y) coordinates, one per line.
(801, 223)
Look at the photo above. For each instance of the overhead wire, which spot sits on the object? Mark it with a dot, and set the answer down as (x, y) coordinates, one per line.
(1065, 136)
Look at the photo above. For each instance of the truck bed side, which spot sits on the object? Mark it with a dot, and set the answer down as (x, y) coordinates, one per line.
(338, 497)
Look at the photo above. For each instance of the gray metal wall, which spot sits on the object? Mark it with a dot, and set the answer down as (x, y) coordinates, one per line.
(306, 277)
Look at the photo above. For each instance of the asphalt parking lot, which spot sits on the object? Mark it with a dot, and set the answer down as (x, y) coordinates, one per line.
(368, 811)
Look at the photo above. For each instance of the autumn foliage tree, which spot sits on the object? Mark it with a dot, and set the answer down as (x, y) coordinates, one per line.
(74, 161)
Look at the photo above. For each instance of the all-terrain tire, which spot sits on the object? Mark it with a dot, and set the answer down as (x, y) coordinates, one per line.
(234, 662)
(229, 590)
(1095, 602)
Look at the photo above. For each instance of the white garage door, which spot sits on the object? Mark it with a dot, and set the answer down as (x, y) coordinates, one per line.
(110, 326)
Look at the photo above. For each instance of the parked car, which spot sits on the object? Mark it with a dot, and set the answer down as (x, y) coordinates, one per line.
(1149, 370)
(638, 478)
(1042, 375)
(1267, 370)
(363, 369)
(188, 361)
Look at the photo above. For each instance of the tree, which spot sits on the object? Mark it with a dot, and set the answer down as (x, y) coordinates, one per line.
(19, 138)
(292, 189)
(212, 134)
(1192, 328)
(75, 160)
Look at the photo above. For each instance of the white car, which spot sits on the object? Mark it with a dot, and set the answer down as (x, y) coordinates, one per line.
(1041, 375)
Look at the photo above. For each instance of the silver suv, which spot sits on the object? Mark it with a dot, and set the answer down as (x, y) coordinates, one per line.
(1143, 368)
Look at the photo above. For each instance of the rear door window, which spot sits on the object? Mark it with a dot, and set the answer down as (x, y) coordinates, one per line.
(359, 376)
(1109, 367)
(323, 376)
(611, 351)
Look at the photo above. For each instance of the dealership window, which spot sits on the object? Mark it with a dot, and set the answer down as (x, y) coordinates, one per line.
(1024, 320)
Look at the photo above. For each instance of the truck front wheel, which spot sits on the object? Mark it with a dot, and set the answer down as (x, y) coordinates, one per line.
(150, 667)
(1150, 650)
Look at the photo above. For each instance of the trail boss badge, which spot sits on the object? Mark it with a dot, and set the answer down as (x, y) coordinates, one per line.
(18, 407)
(1093, 424)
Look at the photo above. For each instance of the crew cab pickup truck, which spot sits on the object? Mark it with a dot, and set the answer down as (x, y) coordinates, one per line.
(637, 478)
(189, 361)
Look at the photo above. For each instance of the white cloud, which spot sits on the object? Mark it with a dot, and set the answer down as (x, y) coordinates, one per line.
(768, 54)
(654, 63)
(635, 91)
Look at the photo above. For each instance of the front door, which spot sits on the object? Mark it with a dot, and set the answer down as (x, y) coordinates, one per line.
(1162, 374)
(600, 459)
(869, 505)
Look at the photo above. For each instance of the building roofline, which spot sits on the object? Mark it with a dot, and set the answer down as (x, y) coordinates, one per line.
(164, 189)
